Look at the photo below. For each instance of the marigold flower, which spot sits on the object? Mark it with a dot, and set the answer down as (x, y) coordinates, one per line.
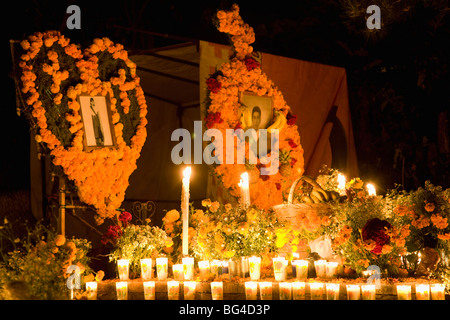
(429, 207)
(60, 240)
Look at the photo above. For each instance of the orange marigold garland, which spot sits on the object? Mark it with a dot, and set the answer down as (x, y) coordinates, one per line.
(51, 85)
(244, 73)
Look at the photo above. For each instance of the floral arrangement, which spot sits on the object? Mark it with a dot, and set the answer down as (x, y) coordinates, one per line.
(54, 73)
(243, 73)
(136, 242)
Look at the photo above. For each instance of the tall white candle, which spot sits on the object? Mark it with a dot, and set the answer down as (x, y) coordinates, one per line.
(185, 208)
(371, 189)
(245, 190)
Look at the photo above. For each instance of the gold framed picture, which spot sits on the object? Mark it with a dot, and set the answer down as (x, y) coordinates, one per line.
(96, 117)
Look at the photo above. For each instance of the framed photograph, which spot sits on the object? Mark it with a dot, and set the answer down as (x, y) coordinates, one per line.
(261, 107)
(96, 116)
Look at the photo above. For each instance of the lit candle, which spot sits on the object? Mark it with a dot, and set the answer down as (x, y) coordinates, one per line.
(285, 289)
(204, 269)
(265, 290)
(301, 267)
(189, 290)
(146, 269)
(251, 290)
(177, 270)
(91, 290)
(122, 290)
(341, 184)
(215, 264)
(173, 290)
(353, 292)
(368, 291)
(321, 268)
(161, 268)
(437, 291)
(188, 268)
(123, 266)
(317, 290)
(217, 290)
(149, 290)
(423, 291)
(371, 189)
(403, 292)
(332, 291)
(279, 268)
(245, 190)
(185, 209)
(298, 290)
(255, 267)
(331, 268)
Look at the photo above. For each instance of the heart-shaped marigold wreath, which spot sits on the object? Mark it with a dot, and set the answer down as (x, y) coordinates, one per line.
(54, 74)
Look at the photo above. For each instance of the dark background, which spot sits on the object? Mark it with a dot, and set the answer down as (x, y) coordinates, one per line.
(398, 77)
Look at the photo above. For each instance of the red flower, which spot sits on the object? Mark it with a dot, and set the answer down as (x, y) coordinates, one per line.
(291, 119)
(293, 162)
(212, 119)
(251, 63)
(278, 185)
(375, 229)
(213, 85)
(292, 144)
(112, 234)
(125, 217)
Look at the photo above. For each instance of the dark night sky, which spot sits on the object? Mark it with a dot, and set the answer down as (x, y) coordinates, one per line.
(382, 73)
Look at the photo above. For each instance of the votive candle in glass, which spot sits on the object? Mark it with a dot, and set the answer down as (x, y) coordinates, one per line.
(122, 290)
(298, 290)
(321, 268)
(332, 291)
(149, 290)
(368, 291)
(123, 266)
(161, 268)
(285, 289)
(403, 292)
(173, 290)
(217, 290)
(255, 267)
(146, 269)
(437, 291)
(265, 290)
(353, 292)
(317, 290)
(188, 268)
(203, 267)
(251, 288)
(279, 268)
(91, 290)
(423, 291)
(215, 264)
(301, 267)
(177, 270)
(189, 290)
(331, 268)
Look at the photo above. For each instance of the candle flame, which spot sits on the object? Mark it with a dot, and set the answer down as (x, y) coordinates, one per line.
(371, 189)
(244, 180)
(341, 181)
(187, 173)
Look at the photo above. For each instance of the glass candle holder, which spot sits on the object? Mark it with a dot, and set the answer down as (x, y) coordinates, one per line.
(321, 268)
(161, 268)
(301, 267)
(403, 292)
(123, 266)
(368, 291)
(146, 269)
(217, 290)
(177, 270)
(215, 266)
(204, 269)
(255, 268)
(188, 268)
(279, 268)
(122, 290)
(189, 290)
(149, 290)
(265, 290)
(91, 290)
(423, 291)
(331, 268)
(317, 290)
(251, 290)
(332, 291)
(173, 290)
(353, 292)
(437, 291)
(285, 289)
(298, 290)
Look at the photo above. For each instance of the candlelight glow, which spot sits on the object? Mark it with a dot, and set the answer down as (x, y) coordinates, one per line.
(341, 183)
(245, 190)
(187, 174)
(371, 189)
